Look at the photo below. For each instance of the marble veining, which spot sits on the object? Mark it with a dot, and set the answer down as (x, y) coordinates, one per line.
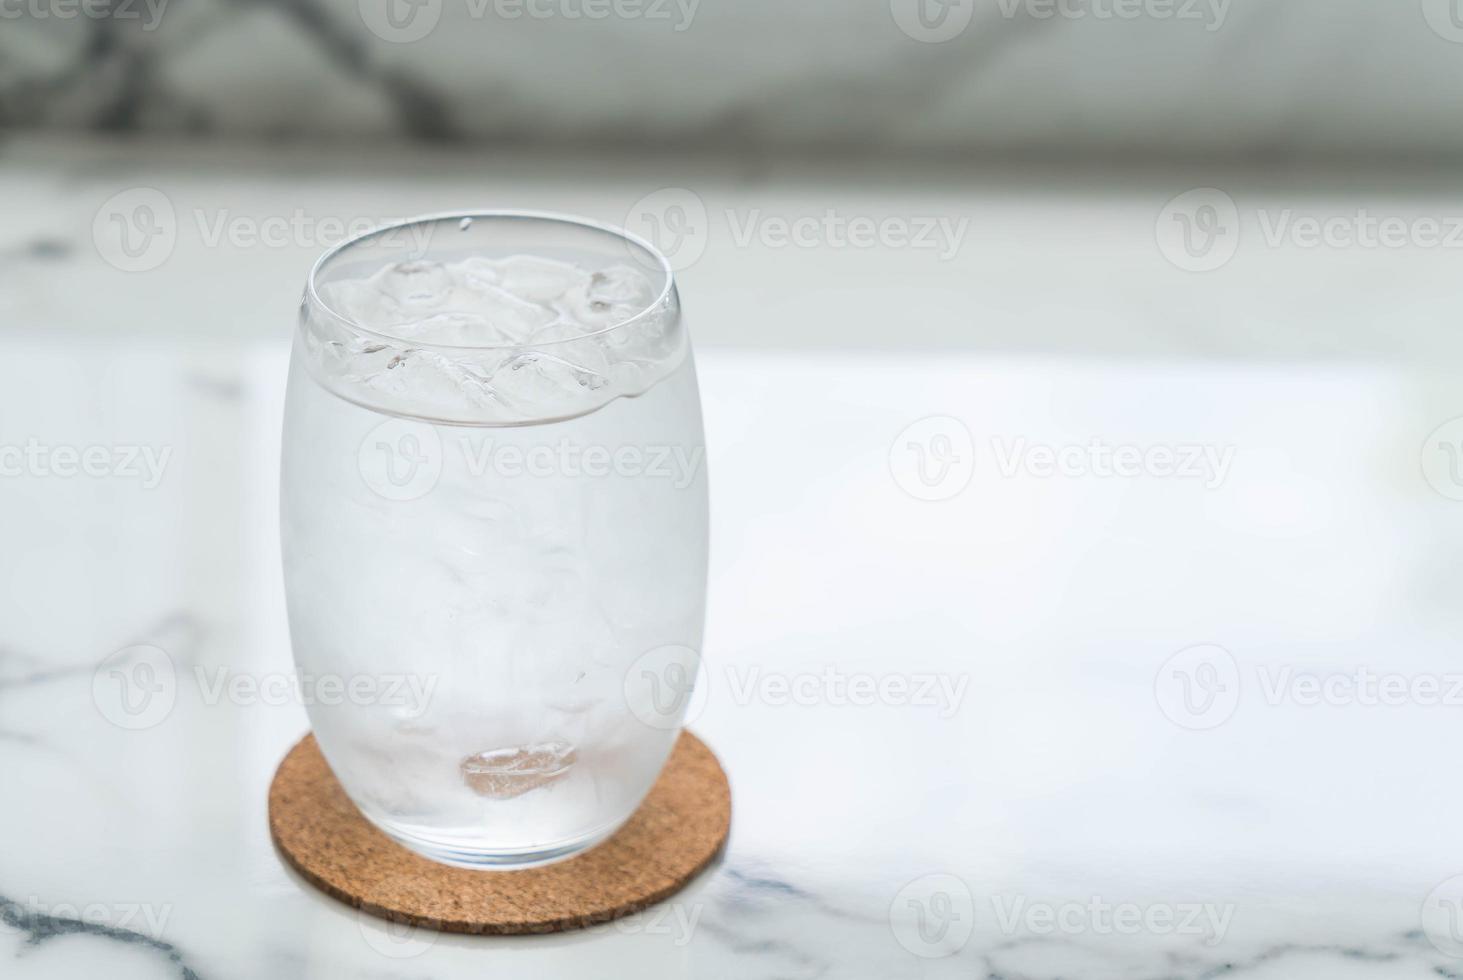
(1006, 77)
(40, 927)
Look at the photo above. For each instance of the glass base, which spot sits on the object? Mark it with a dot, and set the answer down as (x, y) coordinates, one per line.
(456, 853)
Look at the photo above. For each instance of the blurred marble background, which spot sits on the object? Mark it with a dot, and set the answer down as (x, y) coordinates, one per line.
(1261, 79)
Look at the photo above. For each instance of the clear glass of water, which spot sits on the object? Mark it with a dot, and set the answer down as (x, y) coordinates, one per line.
(494, 522)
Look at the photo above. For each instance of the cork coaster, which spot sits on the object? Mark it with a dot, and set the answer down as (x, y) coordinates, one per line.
(675, 833)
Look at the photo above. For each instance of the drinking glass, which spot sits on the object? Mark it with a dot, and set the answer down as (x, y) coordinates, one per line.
(494, 528)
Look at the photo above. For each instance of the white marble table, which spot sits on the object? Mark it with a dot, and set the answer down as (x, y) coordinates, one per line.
(1031, 779)
(1223, 480)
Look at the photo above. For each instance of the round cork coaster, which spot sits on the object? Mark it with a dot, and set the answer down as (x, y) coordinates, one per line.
(675, 833)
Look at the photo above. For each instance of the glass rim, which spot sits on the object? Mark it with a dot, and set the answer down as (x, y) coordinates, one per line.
(318, 302)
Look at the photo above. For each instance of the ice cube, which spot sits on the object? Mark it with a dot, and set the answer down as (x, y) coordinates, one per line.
(476, 272)
(535, 380)
(502, 774)
(531, 338)
(419, 285)
(536, 279)
(612, 295)
(509, 315)
(431, 379)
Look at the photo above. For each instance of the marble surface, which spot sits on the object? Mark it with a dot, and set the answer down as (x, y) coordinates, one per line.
(1129, 657)
(1033, 762)
(1030, 261)
(1250, 79)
